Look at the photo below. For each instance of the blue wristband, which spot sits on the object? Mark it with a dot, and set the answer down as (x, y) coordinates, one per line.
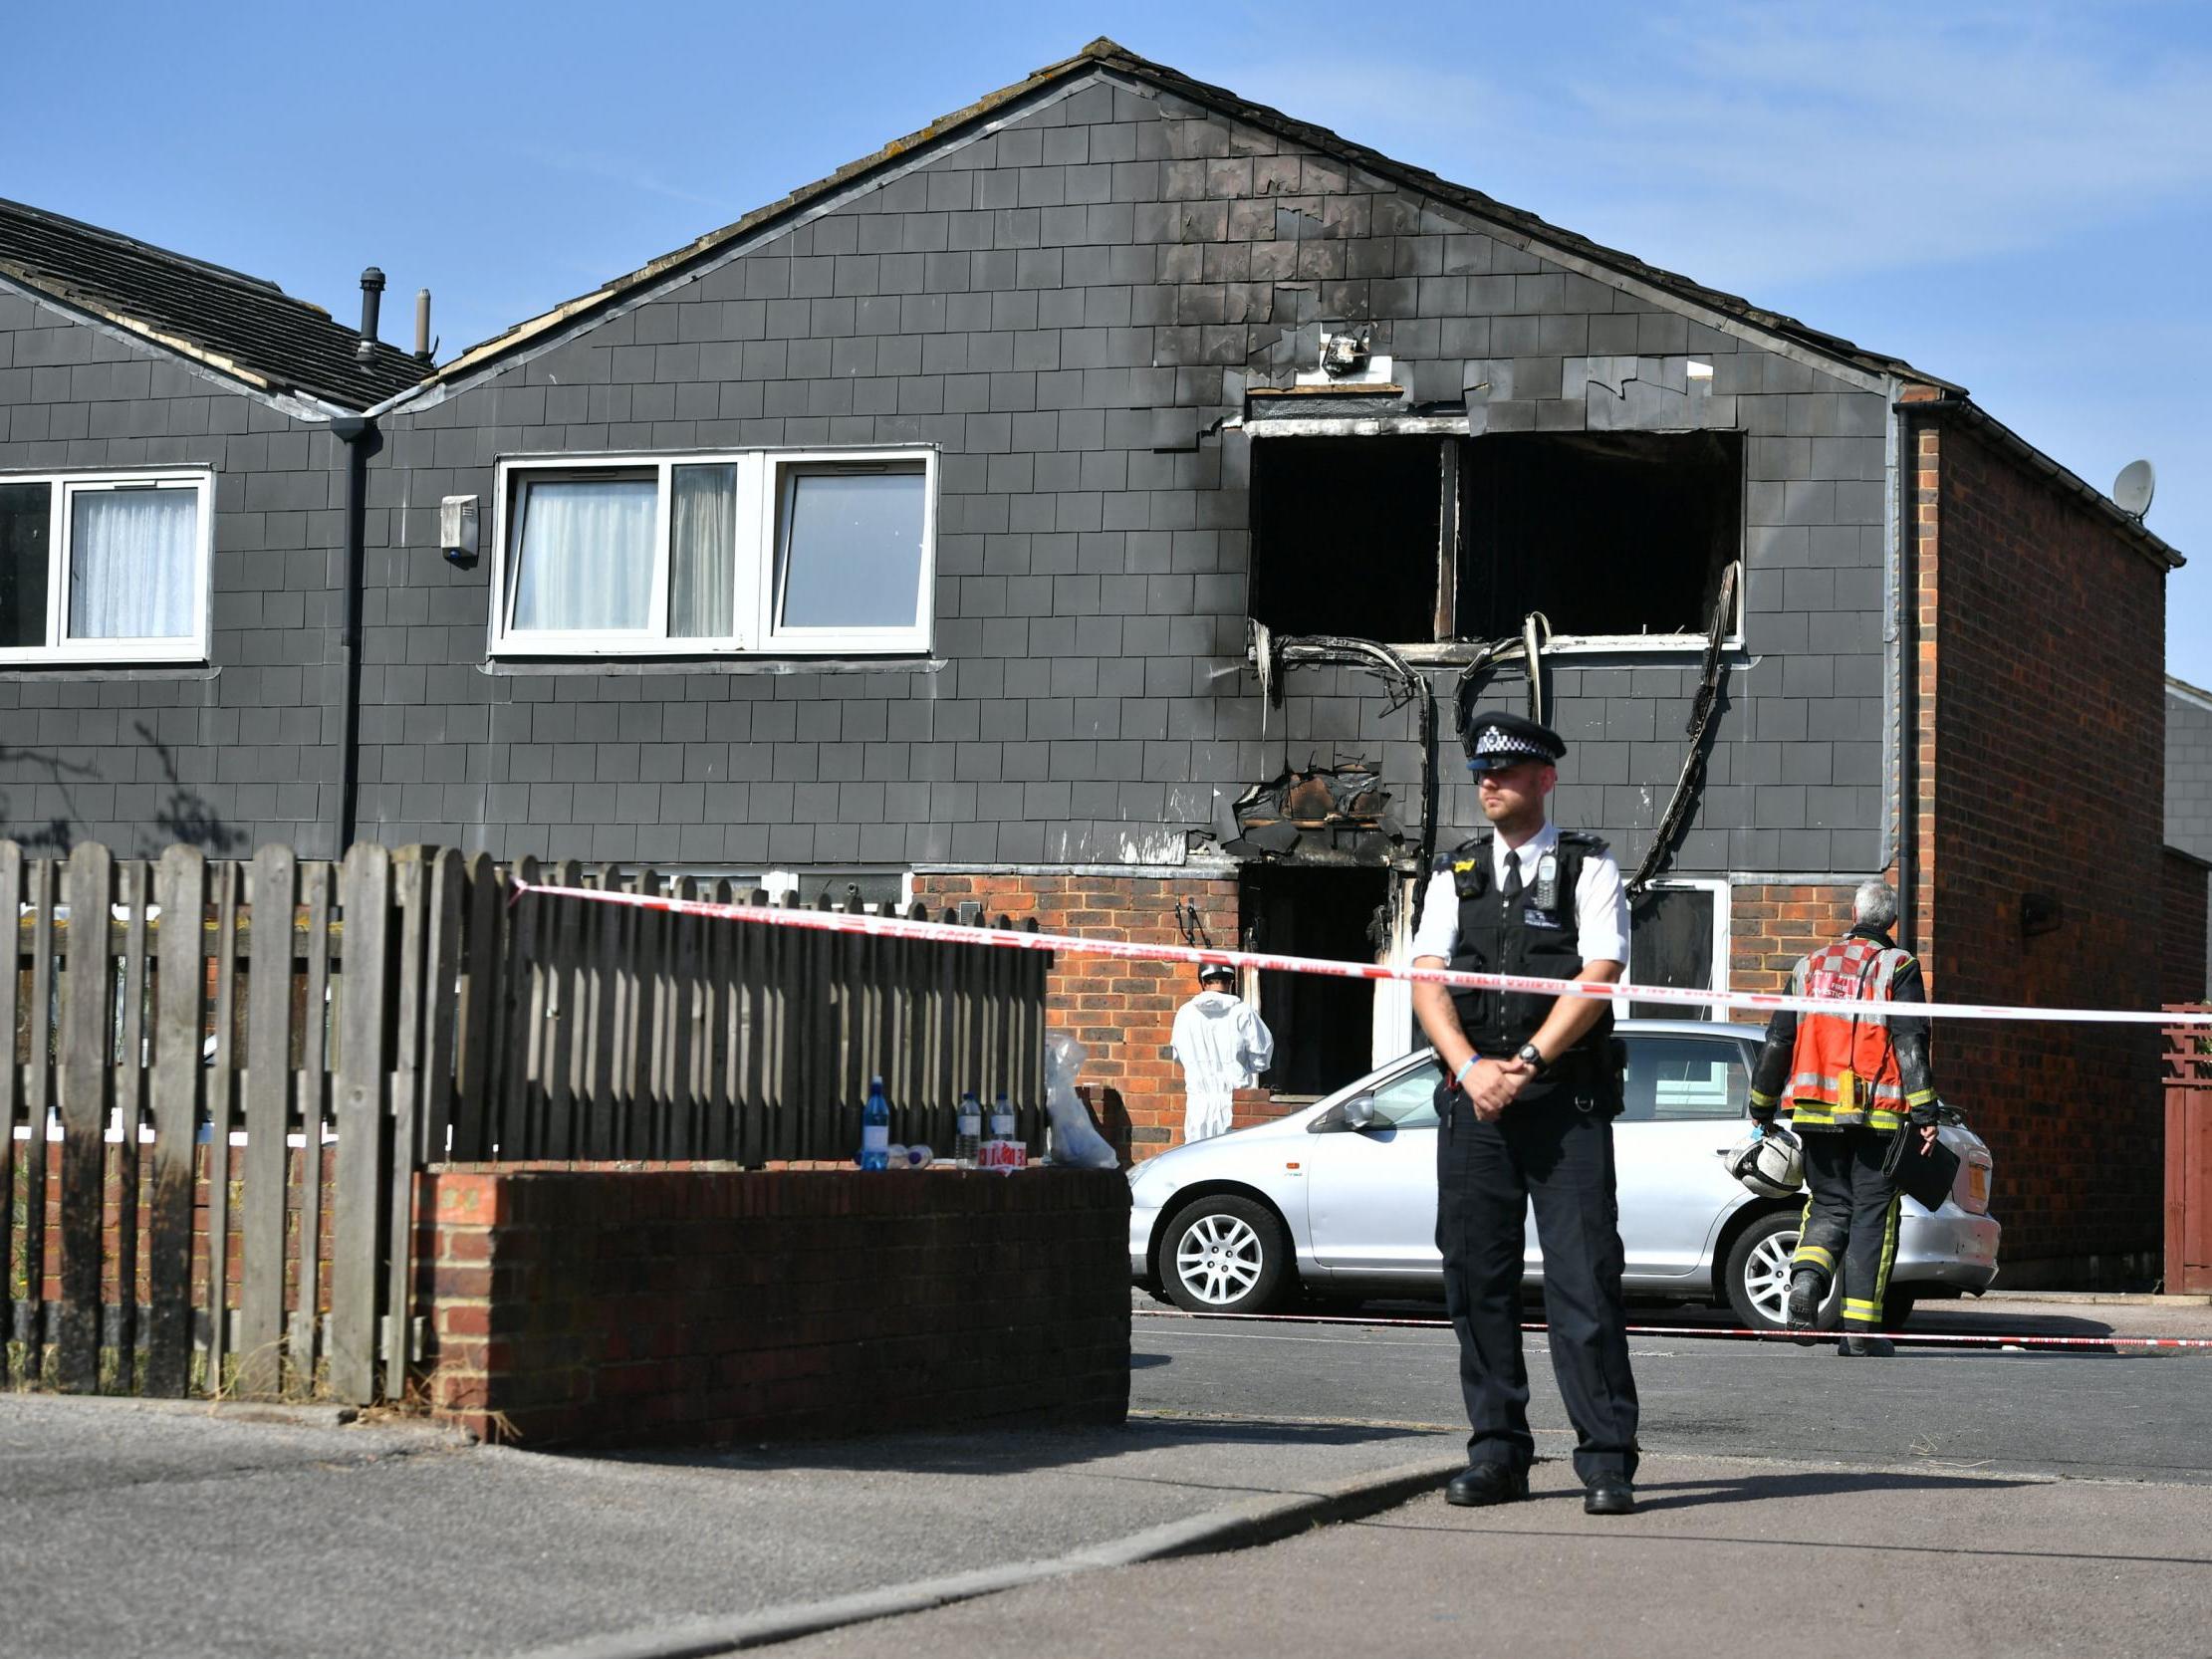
(1459, 1076)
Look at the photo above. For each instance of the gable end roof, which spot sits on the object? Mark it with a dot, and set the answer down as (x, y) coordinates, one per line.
(1104, 54)
(239, 325)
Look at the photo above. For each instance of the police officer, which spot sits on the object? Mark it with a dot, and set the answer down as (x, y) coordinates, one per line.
(1854, 1079)
(1525, 1114)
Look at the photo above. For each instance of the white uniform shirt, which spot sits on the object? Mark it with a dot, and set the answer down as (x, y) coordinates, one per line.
(1600, 902)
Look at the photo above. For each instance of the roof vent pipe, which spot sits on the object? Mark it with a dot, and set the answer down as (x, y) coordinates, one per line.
(372, 295)
(422, 346)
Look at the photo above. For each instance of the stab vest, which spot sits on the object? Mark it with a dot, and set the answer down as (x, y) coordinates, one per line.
(1493, 941)
(1844, 1071)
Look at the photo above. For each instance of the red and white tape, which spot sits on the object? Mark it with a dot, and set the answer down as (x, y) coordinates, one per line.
(1972, 1338)
(900, 927)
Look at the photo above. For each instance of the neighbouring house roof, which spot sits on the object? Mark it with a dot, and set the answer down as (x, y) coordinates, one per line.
(1104, 54)
(243, 327)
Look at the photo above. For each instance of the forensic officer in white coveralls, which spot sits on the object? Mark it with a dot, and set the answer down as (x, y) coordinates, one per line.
(1223, 1045)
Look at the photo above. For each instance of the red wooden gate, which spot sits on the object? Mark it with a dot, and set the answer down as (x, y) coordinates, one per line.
(2188, 1159)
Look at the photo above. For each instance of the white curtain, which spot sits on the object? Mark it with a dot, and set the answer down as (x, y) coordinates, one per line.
(585, 558)
(702, 569)
(132, 561)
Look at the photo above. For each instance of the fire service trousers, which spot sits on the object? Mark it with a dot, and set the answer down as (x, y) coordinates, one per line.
(1548, 1151)
(1850, 1217)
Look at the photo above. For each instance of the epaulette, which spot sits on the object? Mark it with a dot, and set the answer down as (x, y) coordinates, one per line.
(1467, 852)
(1584, 840)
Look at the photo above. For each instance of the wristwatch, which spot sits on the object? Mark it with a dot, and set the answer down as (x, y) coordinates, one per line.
(1531, 1055)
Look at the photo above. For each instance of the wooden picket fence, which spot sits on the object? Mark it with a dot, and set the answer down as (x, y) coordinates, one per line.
(213, 1129)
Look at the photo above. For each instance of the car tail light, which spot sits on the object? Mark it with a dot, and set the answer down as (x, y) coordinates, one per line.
(1970, 1192)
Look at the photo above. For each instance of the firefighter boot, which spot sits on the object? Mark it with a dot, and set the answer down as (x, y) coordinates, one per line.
(1868, 1348)
(1806, 1291)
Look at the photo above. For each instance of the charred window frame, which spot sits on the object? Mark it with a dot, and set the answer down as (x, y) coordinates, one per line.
(1678, 934)
(1424, 542)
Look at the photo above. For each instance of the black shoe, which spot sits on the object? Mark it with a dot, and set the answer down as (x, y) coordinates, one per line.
(1806, 1291)
(1486, 1483)
(1609, 1494)
(1868, 1348)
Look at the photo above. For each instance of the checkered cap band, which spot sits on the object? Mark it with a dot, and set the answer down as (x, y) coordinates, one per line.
(1492, 740)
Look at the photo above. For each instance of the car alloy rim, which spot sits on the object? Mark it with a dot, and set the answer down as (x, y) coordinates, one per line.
(1218, 1258)
(1767, 1276)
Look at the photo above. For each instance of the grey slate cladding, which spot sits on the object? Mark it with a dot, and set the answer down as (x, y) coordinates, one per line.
(1062, 306)
(2189, 769)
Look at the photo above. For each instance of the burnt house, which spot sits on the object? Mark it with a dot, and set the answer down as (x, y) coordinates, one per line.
(1098, 504)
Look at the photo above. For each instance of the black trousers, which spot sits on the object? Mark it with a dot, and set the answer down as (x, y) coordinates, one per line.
(1548, 1149)
(1850, 1217)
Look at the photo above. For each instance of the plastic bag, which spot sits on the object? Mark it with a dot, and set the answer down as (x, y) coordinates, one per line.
(1076, 1139)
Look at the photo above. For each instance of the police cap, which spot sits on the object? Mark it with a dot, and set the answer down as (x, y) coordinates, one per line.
(1496, 740)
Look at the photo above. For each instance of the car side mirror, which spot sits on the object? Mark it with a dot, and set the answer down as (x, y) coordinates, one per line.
(1359, 1112)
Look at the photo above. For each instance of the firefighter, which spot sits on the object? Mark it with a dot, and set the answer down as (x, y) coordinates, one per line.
(1855, 1080)
(1524, 1110)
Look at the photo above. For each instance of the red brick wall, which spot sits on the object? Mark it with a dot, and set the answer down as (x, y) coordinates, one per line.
(1770, 928)
(1122, 1012)
(623, 1306)
(2181, 924)
(2046, 661)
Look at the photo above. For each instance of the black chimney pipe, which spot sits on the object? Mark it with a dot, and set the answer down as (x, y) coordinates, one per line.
(371, 296)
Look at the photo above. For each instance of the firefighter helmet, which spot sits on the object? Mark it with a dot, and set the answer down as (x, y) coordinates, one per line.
(1770, 1161)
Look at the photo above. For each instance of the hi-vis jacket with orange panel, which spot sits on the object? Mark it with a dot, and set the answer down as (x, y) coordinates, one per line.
(1866, 1064)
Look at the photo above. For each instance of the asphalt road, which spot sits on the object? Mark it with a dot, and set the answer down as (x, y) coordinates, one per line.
(2095, 1414)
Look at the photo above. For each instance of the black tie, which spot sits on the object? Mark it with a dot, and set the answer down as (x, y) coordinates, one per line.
(1511, 888)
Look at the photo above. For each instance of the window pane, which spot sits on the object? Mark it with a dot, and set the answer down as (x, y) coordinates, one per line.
(1685, 1077)
(1671, 942)
(1410, 1102)
(130, 563)
(583, 554)
(850, 553)
(24, 510)
(703, 553)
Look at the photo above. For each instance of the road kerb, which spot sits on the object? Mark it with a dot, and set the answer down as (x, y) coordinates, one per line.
(1256, 1521)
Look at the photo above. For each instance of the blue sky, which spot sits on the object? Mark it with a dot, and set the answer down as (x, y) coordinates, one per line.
(2017, 197)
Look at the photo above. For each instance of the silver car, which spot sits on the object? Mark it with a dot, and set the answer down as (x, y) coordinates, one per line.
(1340, 1197)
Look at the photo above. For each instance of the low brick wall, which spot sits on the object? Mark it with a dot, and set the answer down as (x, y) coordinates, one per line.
(625, 1307)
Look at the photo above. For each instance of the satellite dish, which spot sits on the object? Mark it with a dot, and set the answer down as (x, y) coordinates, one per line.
(2133, 489)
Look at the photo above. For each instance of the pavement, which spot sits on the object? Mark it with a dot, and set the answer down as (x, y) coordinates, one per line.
(1276, 1493)
(1726, 1557)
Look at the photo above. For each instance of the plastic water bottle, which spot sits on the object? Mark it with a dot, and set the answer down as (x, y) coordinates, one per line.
(1002, 1119)
(968, 1130)
(875, 1129)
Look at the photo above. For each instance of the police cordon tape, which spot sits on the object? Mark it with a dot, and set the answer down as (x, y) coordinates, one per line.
(1937, 1337)
(958, 933)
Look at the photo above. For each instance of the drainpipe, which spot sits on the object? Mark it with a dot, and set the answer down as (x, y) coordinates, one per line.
(358, 434)
(1909, 681)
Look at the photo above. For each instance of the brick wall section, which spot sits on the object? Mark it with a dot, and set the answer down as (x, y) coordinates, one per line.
(1122, 1012)
(2048, 637)
(618, 1307)
(2181, 928)
(1771, 926)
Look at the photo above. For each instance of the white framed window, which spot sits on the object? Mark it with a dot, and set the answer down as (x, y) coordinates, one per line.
(105, 566)
(786, 552)
(1678, 934)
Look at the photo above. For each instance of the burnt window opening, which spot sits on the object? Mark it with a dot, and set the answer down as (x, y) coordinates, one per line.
(1344, 536)
(1616, 532)
(1420, 540)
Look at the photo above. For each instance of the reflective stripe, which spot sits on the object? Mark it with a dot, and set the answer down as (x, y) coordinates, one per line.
(1815, 1256)
(1862, 1312)
(1827, 1086)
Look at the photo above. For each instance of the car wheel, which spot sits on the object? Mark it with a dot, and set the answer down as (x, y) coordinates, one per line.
(1755, 1277)
(1225, 1254)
